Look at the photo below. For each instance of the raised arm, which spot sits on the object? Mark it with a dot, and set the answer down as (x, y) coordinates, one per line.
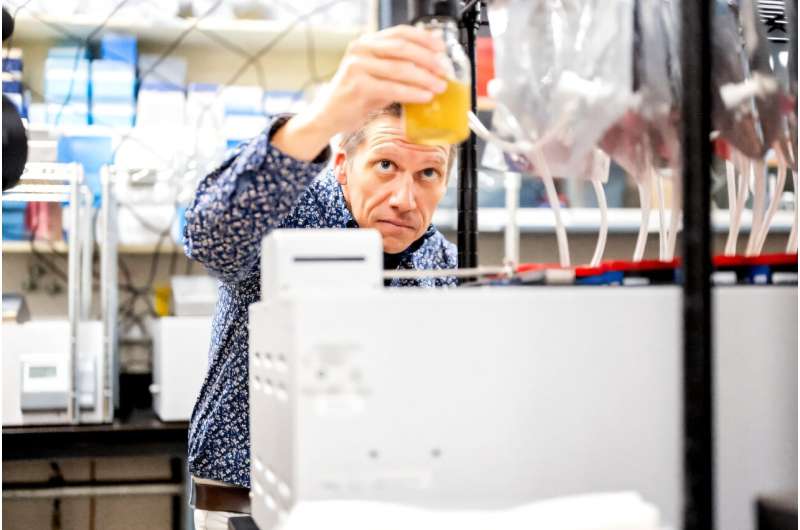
(255, 189)
(239, 203)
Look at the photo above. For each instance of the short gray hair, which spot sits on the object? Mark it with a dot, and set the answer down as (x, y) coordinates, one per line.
(352, 140)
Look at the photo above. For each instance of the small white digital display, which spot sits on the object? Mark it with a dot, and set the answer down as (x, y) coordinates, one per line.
(41, 371)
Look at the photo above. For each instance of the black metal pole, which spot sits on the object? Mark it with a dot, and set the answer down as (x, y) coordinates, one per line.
(698, 449)
(467, 201)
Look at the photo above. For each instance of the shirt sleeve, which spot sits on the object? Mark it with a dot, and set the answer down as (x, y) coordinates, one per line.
(236, 205)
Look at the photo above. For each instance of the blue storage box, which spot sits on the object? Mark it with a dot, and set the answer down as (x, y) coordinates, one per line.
(12, 86)
(14, 221)
(113, 81)
(12, 65)
(66, 80)
(119, 47)
(93, 152)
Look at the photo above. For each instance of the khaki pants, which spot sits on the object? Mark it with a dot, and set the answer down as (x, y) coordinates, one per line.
(205, 520)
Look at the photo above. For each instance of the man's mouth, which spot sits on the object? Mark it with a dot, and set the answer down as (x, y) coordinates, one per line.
(397, 224)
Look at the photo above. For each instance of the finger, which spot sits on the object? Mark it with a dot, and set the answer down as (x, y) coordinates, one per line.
(422, 37)
(406, 51)
(403, 72)
(392, 91)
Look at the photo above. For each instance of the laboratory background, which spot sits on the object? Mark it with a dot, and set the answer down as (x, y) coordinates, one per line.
(617, 348)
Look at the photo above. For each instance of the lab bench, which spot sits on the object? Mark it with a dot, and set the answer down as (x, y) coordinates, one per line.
(141, 434)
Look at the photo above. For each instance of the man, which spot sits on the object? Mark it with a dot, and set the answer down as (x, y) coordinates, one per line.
(379, 180)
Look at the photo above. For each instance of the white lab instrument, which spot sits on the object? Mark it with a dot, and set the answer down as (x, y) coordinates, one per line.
(65, 371)
(490, 398)
(194, 296)
(37, 375)
(311, 260)
(180, 362)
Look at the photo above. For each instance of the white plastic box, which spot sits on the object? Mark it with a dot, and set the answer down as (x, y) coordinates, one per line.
(180, 362)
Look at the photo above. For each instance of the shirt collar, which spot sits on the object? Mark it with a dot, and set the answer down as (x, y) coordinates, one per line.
(392, 261)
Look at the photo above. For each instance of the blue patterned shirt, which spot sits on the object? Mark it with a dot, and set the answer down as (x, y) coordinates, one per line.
(257, 189)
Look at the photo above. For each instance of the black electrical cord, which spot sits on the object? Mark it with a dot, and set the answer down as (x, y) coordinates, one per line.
(144, 292)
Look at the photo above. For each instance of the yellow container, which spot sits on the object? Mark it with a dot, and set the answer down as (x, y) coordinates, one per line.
(161, 299)
(443, 120)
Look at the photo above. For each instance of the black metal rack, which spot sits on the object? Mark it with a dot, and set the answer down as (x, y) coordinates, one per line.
(467, 198)
(698, 450)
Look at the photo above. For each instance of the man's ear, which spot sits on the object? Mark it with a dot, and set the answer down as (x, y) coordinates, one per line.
(340, 167)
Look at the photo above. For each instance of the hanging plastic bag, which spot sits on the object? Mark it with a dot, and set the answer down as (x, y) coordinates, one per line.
(645, 141)
(560, 84)
(749, 109)
(563, 75)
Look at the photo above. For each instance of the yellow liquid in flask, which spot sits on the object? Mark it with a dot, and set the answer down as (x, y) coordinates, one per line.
(443, 120)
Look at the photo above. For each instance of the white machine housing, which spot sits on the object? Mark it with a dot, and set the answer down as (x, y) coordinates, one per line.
(36, 372)
(180, 362)
(314, 259)
(494, 397)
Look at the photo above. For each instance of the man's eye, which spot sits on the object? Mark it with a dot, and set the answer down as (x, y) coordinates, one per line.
(385, 165)
(430, 173)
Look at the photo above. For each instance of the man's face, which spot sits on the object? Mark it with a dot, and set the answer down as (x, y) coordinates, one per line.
(393, 185)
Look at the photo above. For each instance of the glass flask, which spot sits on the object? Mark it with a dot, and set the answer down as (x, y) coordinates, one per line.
(443, 120)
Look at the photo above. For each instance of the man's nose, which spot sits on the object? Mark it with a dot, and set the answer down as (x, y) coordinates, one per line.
(402, 196)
